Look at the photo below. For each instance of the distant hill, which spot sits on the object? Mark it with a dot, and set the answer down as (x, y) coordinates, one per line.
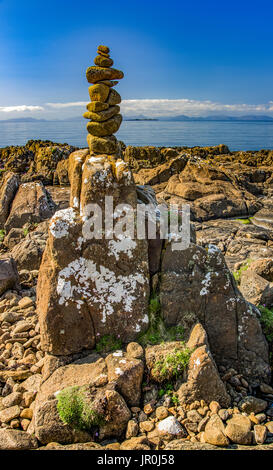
(181, 117)
(27, 119)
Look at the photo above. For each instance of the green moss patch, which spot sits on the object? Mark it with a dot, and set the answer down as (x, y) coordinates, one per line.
(75, 409)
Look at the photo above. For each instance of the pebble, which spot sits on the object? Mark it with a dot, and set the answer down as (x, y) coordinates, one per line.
(161, 412)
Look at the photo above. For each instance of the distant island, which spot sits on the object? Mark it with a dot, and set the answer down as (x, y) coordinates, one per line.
(181, 117)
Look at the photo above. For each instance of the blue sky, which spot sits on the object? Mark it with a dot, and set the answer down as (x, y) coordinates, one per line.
(185, 57)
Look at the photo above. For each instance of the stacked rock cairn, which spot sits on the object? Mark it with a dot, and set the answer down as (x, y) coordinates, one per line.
(103, 111)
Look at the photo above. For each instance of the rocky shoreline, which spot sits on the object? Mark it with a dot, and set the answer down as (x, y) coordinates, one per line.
(105, 346)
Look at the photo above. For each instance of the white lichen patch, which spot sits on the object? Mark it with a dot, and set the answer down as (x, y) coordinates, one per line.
(124, 245)
(118, 353)
(96, 160)
(61, 222)
(206, 283)
(118, 371)
(196, 363)
(213, 249)
(76, 202)
(100, 287)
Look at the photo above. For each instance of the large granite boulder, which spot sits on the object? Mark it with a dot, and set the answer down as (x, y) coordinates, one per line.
(203, 381)
(28, 252)
(88, 375)
(88, 286)
(9, 277)
(196, 286)
(257, 282)
(8, 189)
(213, 191)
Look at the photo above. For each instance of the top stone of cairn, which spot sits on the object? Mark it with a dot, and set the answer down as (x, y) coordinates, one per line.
(102, 70)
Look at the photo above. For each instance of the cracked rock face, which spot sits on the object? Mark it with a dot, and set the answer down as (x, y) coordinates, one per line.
(88, 287)
(196, 285)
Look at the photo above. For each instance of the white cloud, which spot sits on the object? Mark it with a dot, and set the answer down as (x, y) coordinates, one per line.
(165, 107)
(152, 108)
(67, 105)
(21, 108)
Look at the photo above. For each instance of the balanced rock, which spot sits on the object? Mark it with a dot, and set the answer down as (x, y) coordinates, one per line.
(102, 61)
(113, 98)
(102, 115)
(103, 111)
(103, 49)
(197, 286)
(203, 380)
(8, 189)
(239, 429)
(106, 128)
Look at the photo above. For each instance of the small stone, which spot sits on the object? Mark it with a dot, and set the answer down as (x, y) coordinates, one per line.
(249, 404)
(214, 407)
(9, 413)
(113, 98)
(135, 350)
(98, 92)
(146, 426)
(161, 412)
(202, 424)
(261, 417)
(12, 399)
(202, 411)
(29, 397)
(102, 61)
(135, 443)
(269, 426)
(142, 417)
(103, 49)
(113, 446)
(14, 424)
(12, 439)
(25, 424)
(21, 327)
(170, 426)
(96, 74)
(135, 409)
(109, 83)
(132, 429)
(102, 115)
(194, 416)
(224, 414)
(265, 388)
(25, 302)
(244, 383)
(260, 433)
(27, 413)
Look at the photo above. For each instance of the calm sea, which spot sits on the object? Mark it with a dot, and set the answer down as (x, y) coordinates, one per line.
(239, 135)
